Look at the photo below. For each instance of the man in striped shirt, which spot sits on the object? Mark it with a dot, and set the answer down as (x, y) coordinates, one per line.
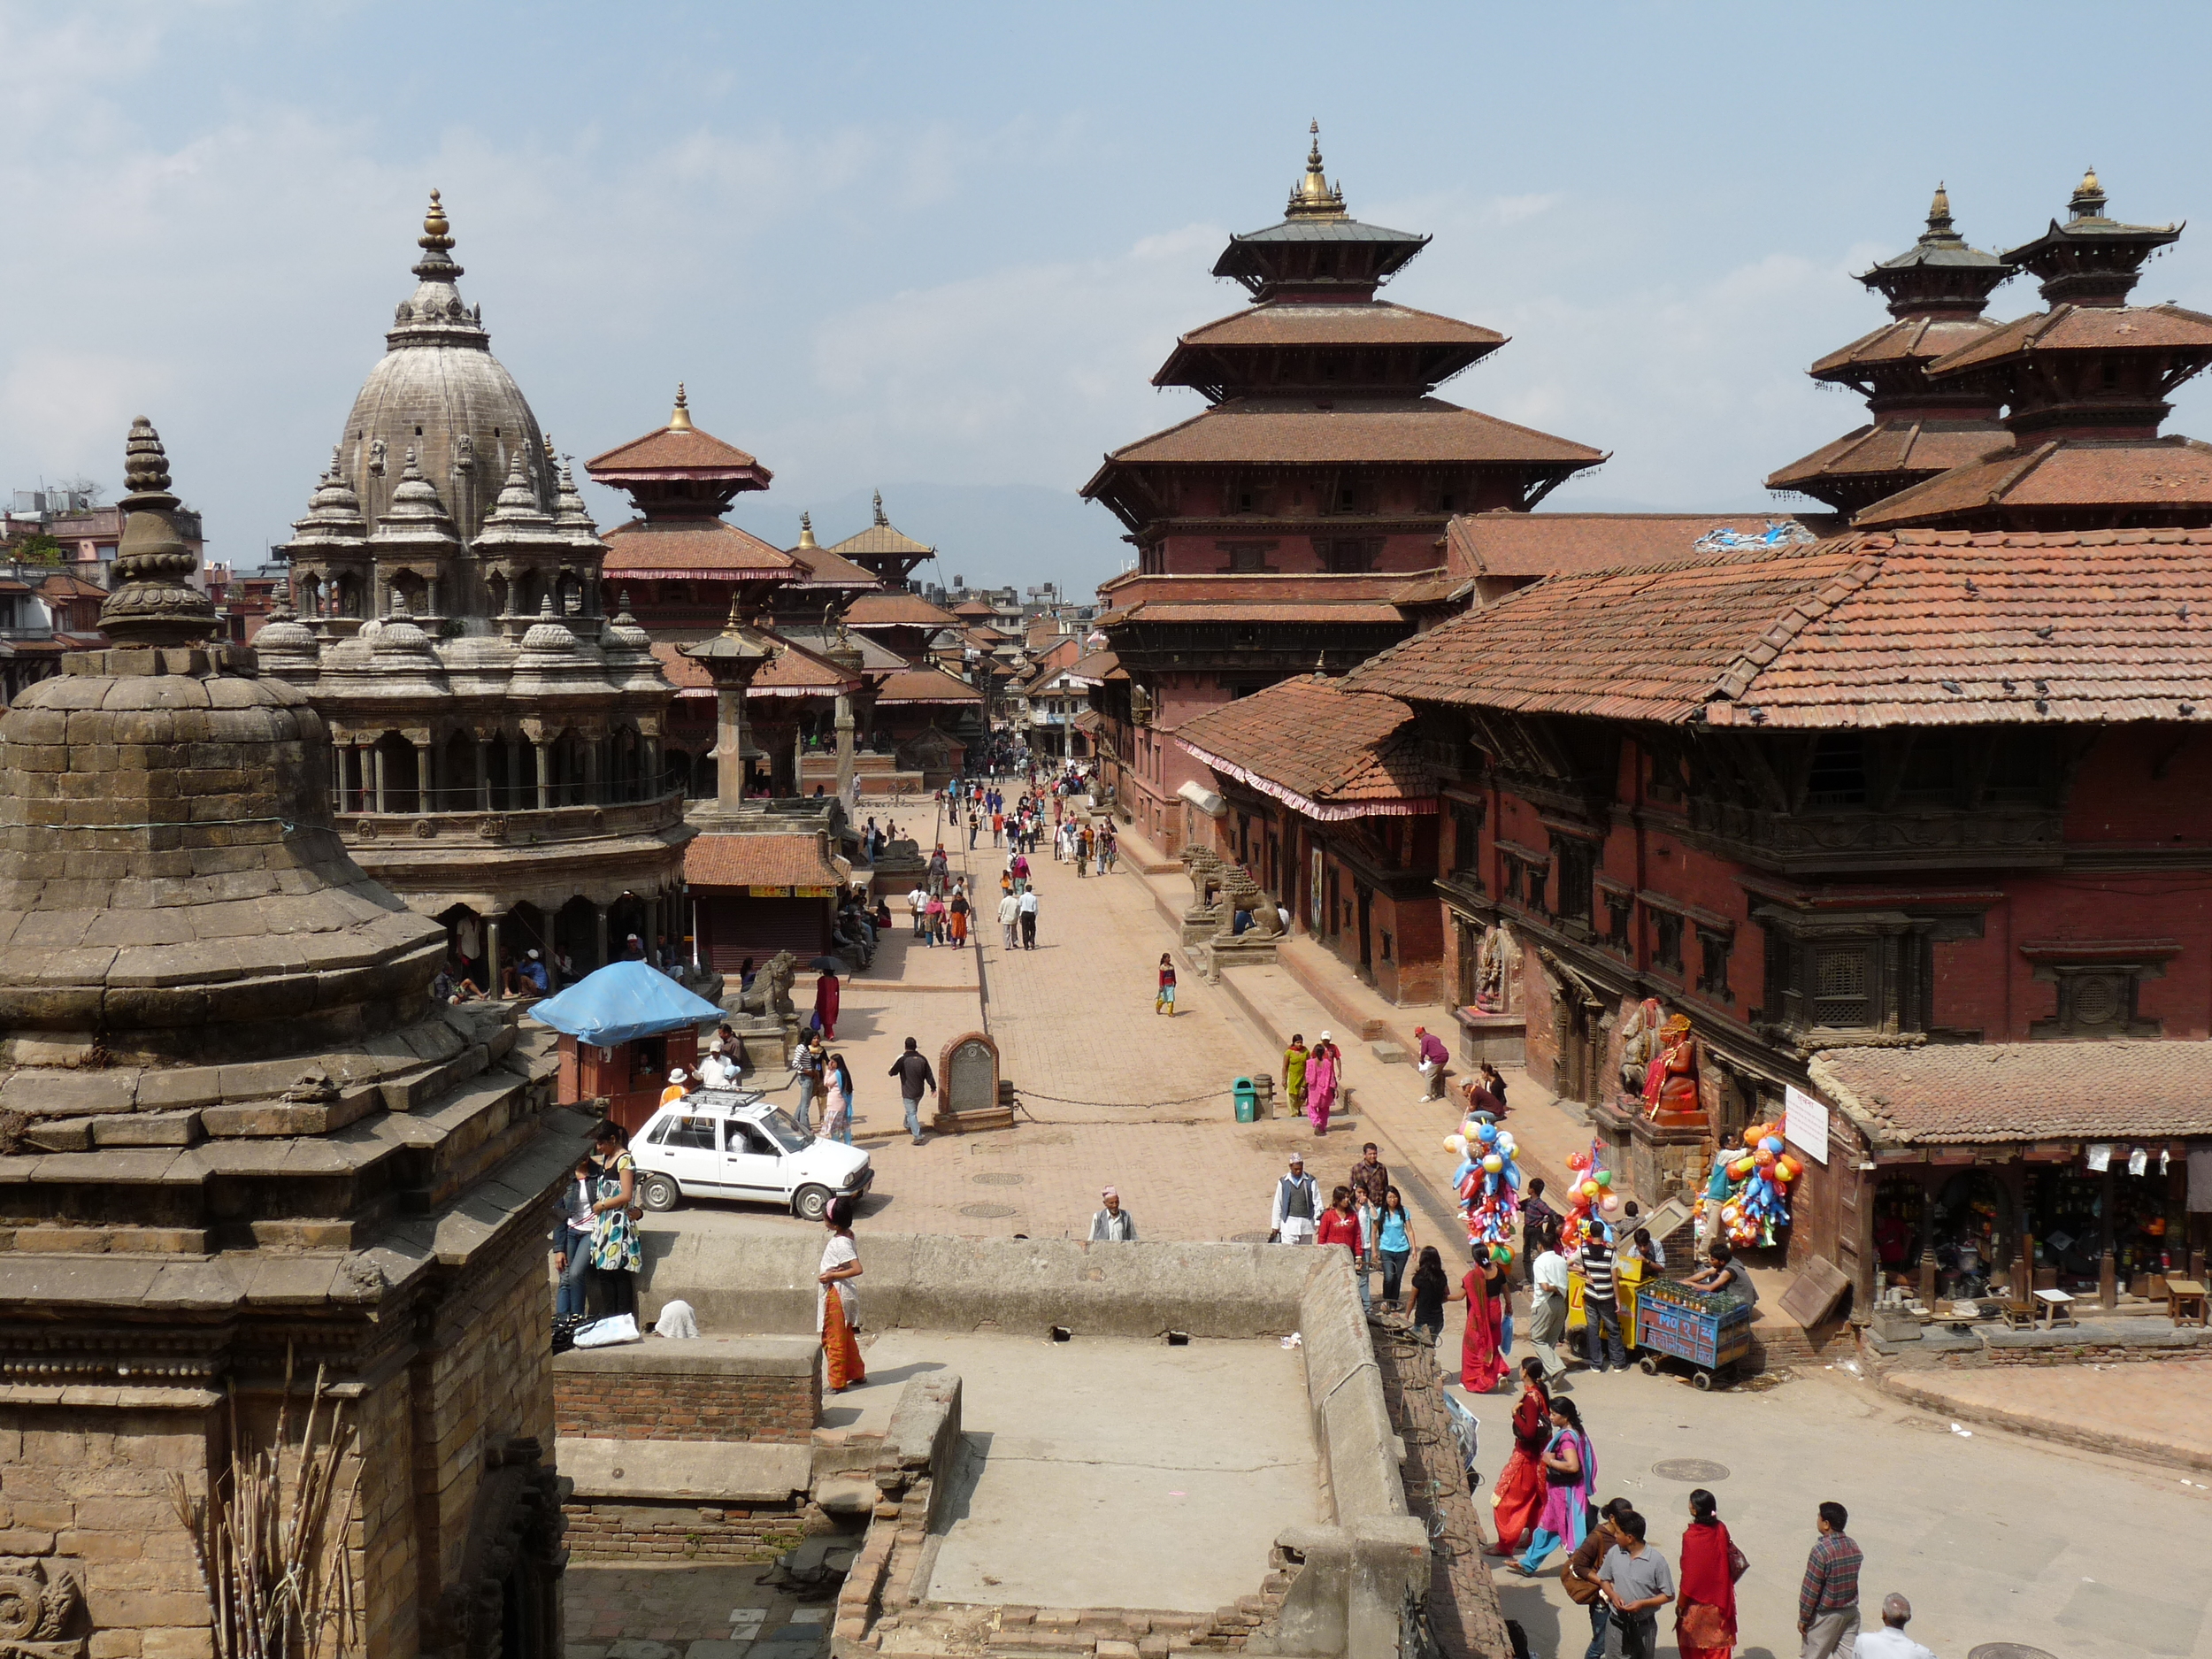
(1828, 1600)
(1601, 1332)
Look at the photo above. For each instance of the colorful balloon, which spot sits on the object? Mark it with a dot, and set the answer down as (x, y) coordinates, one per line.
(1603, 1178)
(1493, 1165)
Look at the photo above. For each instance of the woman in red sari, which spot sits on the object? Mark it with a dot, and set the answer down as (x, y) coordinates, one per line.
(1518, 1496)
(1482, 1349)
(1705, 1608)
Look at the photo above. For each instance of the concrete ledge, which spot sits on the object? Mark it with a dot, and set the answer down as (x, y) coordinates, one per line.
(698, 1356)
(2146, 1446)
(1351, 1420)
(705, 1471)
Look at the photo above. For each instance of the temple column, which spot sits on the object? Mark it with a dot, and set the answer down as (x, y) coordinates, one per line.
(491, 956)
(483, 776)
(338, 777)
(845, 750)
(592, 770)
(430, 596)
(377, 769)
(426, 780)
(729, 750)
(651, 933)
(545, 775)
(599, 931)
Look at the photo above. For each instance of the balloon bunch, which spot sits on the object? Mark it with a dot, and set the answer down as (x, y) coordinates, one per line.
(1489, 1181)
(1591, 1200)
(1757, 1200)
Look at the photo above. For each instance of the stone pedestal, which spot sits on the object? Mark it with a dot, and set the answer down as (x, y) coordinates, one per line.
(1660, 1160)
(968, 1088)
(1500, 1039)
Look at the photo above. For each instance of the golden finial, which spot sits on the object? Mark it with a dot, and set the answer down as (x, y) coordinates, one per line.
(1940, 209)
(2088, 201)
(681, 421)
(436, 232)
(806, 531)
(1312, 198)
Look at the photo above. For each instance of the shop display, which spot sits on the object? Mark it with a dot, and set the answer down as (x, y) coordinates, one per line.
(1488, 1182)
(1759, 1183)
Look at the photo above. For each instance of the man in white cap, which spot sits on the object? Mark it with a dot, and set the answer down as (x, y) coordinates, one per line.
(534, 973)
(1112, 1224)
(1889, 1641)
(675, 1091)
(1297, 1205)
(714, 1071)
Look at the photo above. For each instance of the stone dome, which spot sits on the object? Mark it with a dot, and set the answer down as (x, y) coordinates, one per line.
(548, 634)
(439, 391)
(176, 919)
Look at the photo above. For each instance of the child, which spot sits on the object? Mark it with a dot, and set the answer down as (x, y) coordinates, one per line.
(1165, 1003)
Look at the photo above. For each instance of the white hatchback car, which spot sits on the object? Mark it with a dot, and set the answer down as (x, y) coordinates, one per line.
(732, 1143)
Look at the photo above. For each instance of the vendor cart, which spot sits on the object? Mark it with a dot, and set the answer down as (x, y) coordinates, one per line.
(1711, 1331)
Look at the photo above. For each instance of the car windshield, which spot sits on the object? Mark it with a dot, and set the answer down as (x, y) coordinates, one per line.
(784, 1132)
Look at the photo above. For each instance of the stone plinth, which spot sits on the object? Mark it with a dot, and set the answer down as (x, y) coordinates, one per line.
(1661, 1160)
(968, 1089)
(1500, 1039)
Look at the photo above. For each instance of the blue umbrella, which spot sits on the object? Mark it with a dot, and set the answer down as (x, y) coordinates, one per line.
(621, 1001)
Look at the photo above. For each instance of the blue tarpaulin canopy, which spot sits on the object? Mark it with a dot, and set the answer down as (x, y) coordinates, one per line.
(621, 1001)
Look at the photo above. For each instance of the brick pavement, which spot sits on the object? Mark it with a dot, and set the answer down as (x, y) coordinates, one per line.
(696, 1612)
(2160, 1410)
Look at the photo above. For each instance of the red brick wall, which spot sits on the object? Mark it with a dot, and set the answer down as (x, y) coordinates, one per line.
(609, 1531)
(657, 1405)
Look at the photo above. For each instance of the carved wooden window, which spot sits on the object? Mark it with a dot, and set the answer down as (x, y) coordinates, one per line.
(1619, 905)
(1466, 841)
(1713, 946)
(1843, 983)
(1838, 771)
(1666, 941)
(1350, 555)
(1516, 878)
(1575, 860)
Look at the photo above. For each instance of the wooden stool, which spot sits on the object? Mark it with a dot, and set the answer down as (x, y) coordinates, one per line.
(2185, 1302)
(2057, 1309)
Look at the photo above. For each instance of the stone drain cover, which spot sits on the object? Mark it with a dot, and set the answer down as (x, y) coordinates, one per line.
(988, 1212)
(998, 1178)
(2006, 1650)
(1690, 1469)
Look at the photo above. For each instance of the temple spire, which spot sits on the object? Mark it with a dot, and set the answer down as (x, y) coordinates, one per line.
(2088, 199)
(806, 531)
(680, 421)
(1313, 196)
(153, 602)
(437, 242)
(879, 517)
(1939, 216)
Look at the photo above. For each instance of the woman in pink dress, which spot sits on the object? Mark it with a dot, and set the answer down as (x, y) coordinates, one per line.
(1321, 1076)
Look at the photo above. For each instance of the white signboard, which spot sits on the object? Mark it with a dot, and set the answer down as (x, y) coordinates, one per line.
(1805, 1126)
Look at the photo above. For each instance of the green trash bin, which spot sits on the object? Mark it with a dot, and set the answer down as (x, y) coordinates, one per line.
(1247, 1098)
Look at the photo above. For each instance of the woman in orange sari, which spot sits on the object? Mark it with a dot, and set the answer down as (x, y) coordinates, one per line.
(1482, 1348)
(837, 1309)
(1705, 1607)
(1518, 1496)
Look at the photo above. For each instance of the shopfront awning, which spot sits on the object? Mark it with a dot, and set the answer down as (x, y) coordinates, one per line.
(622, 1001)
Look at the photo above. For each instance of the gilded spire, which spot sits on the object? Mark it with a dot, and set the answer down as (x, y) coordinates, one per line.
(1313, 197)
(680, 421)
(806, 531)
(437, 242)
(2089, 199)
(1940, 212)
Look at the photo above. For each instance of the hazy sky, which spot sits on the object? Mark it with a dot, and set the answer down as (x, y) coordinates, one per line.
(944, 247)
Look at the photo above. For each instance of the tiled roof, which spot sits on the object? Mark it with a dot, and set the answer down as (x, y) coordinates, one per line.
(758, 861)
(1526, 544)
(882, 538)
(1100, 665)
(1374, 322)
(1258, 611)
(825, 567)
(689, 678)
(1327, 752)
(896, 610)
(1926, 627)
(1355, 430)
(795, 671)
(62, 586)
(1896, 446)
(681, 548)
(972, 608)
(675, 452)
(2084, 328)
(926, 685)
(1907, 339)
(2168, 475)
(2015, 1092)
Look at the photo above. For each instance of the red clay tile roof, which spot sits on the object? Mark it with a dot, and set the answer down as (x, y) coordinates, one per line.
(1907, 339)
(1896, 446)
(1927, 628)
(2084, 328)
(1099, 666)
(2012, 1092)
(926, 685)
(674, 453)
(690, 679)
(2171, 475)
(897, 610)
(1372, 323)
(758, 861)
(1528, 544)
(972, 608)
(793, 672)
(1325, 751)
(1257, 611)
(62, 586)
(1355, 430)
(683, 548)
(882, 538)
(824, 567)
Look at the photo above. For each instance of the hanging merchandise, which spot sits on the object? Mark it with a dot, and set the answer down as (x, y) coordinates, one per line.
(1488, 1182)
(1757, 1201)
(1591, 1200)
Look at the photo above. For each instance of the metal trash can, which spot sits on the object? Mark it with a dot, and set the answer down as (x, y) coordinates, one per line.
(1247, 1099)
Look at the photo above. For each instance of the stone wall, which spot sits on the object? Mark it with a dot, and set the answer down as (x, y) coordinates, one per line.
(715, 1388)
(598, 1531)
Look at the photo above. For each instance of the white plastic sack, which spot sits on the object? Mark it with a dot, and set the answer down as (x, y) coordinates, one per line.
(676, 1320)
(606, 1332)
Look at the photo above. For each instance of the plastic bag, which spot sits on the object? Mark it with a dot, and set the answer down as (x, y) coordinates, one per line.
(622, 1327)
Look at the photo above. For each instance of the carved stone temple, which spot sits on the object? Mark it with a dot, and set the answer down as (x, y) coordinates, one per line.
(497, 736)
(237, 1139)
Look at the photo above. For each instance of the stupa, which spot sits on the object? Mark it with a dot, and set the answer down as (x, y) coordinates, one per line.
(240, 1144)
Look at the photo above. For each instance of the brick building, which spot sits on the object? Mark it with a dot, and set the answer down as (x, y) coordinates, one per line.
(1274, 527)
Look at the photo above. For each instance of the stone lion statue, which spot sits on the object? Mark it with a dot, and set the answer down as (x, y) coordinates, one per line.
(770, 993)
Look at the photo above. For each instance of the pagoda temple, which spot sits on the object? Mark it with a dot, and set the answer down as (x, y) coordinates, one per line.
(2084, 386)
(496, 735)
(885, 551)
(1936, 290)
(1272, 528)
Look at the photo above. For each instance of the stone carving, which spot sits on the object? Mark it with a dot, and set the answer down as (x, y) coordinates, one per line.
(770, 994)
(1670, 1091)
(1241, 894)
(971, 1075)
(42, 1610)
(424, 828)
(376, 457)
(505, 1602)
(492, 828)
(312, 1087)
(1639, 1043)
(1497, 971)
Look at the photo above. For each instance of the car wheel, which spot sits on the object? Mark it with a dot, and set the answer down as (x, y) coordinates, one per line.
(810, 1203)
(659, 1193)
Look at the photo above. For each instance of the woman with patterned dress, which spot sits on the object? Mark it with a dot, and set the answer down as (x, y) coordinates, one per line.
(1321, 1080)
(1571, 1472)
(1518, 1497)
(616, 1256)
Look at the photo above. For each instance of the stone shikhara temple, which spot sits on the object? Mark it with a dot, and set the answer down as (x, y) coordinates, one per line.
(496, 736)
(238, 1139)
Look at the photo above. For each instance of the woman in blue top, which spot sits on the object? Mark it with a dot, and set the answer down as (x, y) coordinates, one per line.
(1393, 1242)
